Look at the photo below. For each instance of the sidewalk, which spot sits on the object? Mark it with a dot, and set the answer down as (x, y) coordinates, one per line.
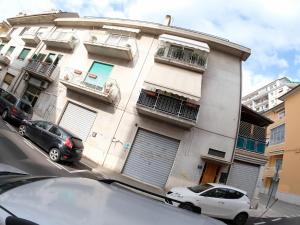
(278, 209)
(106, 173)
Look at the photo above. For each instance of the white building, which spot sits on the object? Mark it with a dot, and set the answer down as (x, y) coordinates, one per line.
(267, 97)
(148, 100)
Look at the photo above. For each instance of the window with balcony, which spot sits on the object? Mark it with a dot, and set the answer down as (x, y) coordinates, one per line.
(277, 135)
(10, 50)
(24, 53)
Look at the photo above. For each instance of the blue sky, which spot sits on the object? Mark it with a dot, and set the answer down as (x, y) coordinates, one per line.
(271, 28)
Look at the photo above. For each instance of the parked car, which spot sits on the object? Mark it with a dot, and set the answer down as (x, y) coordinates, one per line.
(58, 142)
(216, 200)
(14, 108)
(78, 201)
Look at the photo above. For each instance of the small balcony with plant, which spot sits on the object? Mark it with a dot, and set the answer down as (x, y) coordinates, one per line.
(168, 107)
(112, 45)
(61, 40)
(81, 82)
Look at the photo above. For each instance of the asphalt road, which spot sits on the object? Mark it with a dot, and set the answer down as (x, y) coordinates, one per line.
(23, 154)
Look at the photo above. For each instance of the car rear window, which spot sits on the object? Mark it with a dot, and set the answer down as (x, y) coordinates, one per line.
(12, 99)
(200, 188)
(77, 143)
(25, 107)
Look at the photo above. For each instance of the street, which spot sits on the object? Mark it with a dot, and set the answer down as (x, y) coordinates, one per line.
(25, 155)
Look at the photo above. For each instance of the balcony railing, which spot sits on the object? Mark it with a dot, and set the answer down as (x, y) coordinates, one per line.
(251, 145)
(41, 69)
(75, 79)
(4, 60)
(64, 40)
(193, 60)
(168, 105)
(117, 46)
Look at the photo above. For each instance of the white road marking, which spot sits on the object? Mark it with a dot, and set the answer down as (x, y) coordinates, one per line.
(277, 219)
(259, 223)
(78, 171)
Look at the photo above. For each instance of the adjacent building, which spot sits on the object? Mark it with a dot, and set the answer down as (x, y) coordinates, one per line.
(267, 97)
(149, 100)
(249, 157)
(284, 149)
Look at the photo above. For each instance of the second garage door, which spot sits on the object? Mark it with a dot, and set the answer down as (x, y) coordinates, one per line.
(78, 120)
(244, 176)
(151, 158)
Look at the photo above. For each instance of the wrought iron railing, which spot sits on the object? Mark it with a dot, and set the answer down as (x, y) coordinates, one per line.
(77, 77)
(251, 145)
(41, 68)
(169, 105)
(193, 58)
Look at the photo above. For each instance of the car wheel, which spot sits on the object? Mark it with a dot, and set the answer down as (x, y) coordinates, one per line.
(22, 130)
(240, 219)
(4, 115)
(189, 206)
(54, 154)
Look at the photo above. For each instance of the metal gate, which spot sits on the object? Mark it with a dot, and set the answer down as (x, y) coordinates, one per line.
(151, 158)
(78, 120)
(244, 176)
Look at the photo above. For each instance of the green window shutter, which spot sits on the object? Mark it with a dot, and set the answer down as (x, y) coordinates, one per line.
(24, 53)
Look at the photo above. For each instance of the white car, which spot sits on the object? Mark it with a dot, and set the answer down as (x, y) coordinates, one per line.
(215, 200)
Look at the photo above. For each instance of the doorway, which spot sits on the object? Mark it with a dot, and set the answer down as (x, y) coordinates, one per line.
(210, 173)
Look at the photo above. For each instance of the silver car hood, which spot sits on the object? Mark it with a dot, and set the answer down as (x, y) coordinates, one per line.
(79, 201)
(11, 169)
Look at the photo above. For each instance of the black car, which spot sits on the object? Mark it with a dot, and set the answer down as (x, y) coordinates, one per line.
(58, 142)
(14, 108)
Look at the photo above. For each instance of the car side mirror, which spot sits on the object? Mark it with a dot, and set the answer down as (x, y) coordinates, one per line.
(12, 220)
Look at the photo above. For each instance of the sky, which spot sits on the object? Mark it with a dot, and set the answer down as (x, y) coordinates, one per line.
(270, 28)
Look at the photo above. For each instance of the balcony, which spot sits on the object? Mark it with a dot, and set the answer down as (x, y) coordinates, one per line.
(116, 46)
(251, 145)
(4, 60)
(167, 108)
(61, 40)
(75, 80)
(31, 38)
(5, 37)
(40, 70)
(270, 171)
(194, 60)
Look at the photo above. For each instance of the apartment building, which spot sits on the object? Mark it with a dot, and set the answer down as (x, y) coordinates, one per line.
(247, 169)
(149, 100)
(267, 97)
(284, 149)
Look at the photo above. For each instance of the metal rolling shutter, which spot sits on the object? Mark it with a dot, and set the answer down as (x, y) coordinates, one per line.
(151, 158)
(78, 120)
(244, 176)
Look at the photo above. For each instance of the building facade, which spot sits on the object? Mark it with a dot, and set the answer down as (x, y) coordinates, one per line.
(145, 98)
(284, 148)
(247, 169)
(268, 96)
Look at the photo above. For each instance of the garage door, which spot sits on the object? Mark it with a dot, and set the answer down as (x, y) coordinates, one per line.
(244, 176)
(78, 120)
(151, 158)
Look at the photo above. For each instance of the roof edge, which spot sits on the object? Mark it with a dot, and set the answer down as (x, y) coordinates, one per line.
(289, 93)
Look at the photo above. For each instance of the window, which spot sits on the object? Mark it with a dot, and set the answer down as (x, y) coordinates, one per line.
(25, 107)
(40, 57)
(216, 153)
(1, 46)
(98, 74)
(43, 125)
(24, 30)
(281, 114)
(50, 58)
(215, 193)
(232, 194)
(277, 135)
(24, 53)
(54, 130)
(32, 94)
(10, 50)
(10, 98)
(8, 79)
(42, 31)
(200, 188)
(116, 39)
(58, 58)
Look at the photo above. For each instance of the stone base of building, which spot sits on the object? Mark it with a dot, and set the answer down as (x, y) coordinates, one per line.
(289, 198)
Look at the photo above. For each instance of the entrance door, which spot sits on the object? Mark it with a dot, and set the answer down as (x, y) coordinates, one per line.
(98, 74)
(210, 173)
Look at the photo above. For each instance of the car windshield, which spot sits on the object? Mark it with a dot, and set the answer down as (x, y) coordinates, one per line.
(200, 188)
(25, 107)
